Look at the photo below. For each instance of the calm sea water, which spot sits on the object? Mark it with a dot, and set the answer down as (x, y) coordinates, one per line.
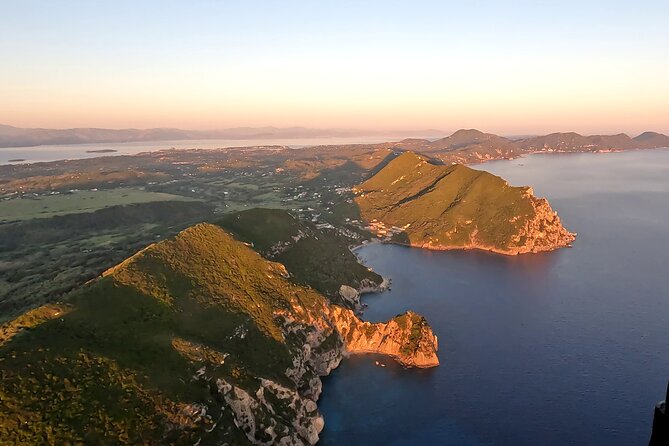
(80, 151)
(563, 348)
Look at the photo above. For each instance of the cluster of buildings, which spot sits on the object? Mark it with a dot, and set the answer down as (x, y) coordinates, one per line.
(382, 231)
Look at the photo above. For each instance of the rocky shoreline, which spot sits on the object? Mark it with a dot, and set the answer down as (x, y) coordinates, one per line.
(326, 339)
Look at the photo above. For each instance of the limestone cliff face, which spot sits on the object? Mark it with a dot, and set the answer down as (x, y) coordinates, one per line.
(408, 338)
(319, 338)
(542, 232)
(254, 413)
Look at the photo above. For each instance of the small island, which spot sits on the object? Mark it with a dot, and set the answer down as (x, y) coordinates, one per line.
(16, 160)
(102, 151)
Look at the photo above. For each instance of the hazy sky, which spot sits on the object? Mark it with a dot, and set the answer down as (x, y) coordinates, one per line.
(505, 66)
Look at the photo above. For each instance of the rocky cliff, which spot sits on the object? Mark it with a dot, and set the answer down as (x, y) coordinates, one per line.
(193, 340)
(419, 203)
(408, 338)
(660, 432)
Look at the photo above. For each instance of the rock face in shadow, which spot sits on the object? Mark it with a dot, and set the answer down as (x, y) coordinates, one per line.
(660, 434)
(416, 202)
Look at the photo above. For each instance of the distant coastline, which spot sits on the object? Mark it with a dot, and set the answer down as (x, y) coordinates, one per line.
(467, 147)
(13, 137)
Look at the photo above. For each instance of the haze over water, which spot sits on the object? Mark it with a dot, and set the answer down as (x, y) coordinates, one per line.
(57, 152)
(562, 348)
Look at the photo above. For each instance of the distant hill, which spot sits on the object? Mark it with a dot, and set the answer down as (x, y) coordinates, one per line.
(470, 146)
(455, 207)
(653, 139)
(468, 138)
(193, 340)
(458, 140)
(575, 142)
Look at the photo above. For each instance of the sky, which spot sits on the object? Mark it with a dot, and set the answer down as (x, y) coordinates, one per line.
(510, 67)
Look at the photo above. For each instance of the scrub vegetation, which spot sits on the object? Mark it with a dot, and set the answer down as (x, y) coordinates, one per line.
(119, 361)
(317, 257)
(445, 205)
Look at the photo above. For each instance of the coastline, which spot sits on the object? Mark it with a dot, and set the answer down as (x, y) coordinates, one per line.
(491, 249)
(562, 152)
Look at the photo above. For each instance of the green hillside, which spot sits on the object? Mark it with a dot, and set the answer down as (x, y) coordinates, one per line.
(454, 206)
(196, 339)
(120, 364)
(316, 257)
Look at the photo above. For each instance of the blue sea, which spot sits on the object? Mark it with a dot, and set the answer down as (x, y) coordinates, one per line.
(562, 348)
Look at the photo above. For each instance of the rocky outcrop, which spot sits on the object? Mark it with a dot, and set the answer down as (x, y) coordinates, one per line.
(660, 435)
(542, 232)
(369, 286)
(408, 338)
(320, 337)
(254, 413)
(325, 340)
(350, 295)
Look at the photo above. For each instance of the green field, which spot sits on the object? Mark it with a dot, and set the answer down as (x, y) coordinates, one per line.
(19, 209)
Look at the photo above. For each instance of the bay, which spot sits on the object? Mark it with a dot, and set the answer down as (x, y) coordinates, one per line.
(563, 348)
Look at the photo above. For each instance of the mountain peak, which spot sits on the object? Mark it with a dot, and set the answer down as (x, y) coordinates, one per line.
(648, 135)
(467, 133)
(409, 156)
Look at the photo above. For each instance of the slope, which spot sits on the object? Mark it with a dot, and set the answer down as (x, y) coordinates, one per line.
(317, 257)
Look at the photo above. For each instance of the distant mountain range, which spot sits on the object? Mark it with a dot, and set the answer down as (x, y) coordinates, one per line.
(464, 146)
(26, 137)
(468, 146)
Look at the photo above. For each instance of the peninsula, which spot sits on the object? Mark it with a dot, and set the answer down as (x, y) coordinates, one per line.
(434, 206)
(193, 340)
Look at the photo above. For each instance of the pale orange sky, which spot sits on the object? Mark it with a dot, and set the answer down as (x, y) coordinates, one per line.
(400, 67)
